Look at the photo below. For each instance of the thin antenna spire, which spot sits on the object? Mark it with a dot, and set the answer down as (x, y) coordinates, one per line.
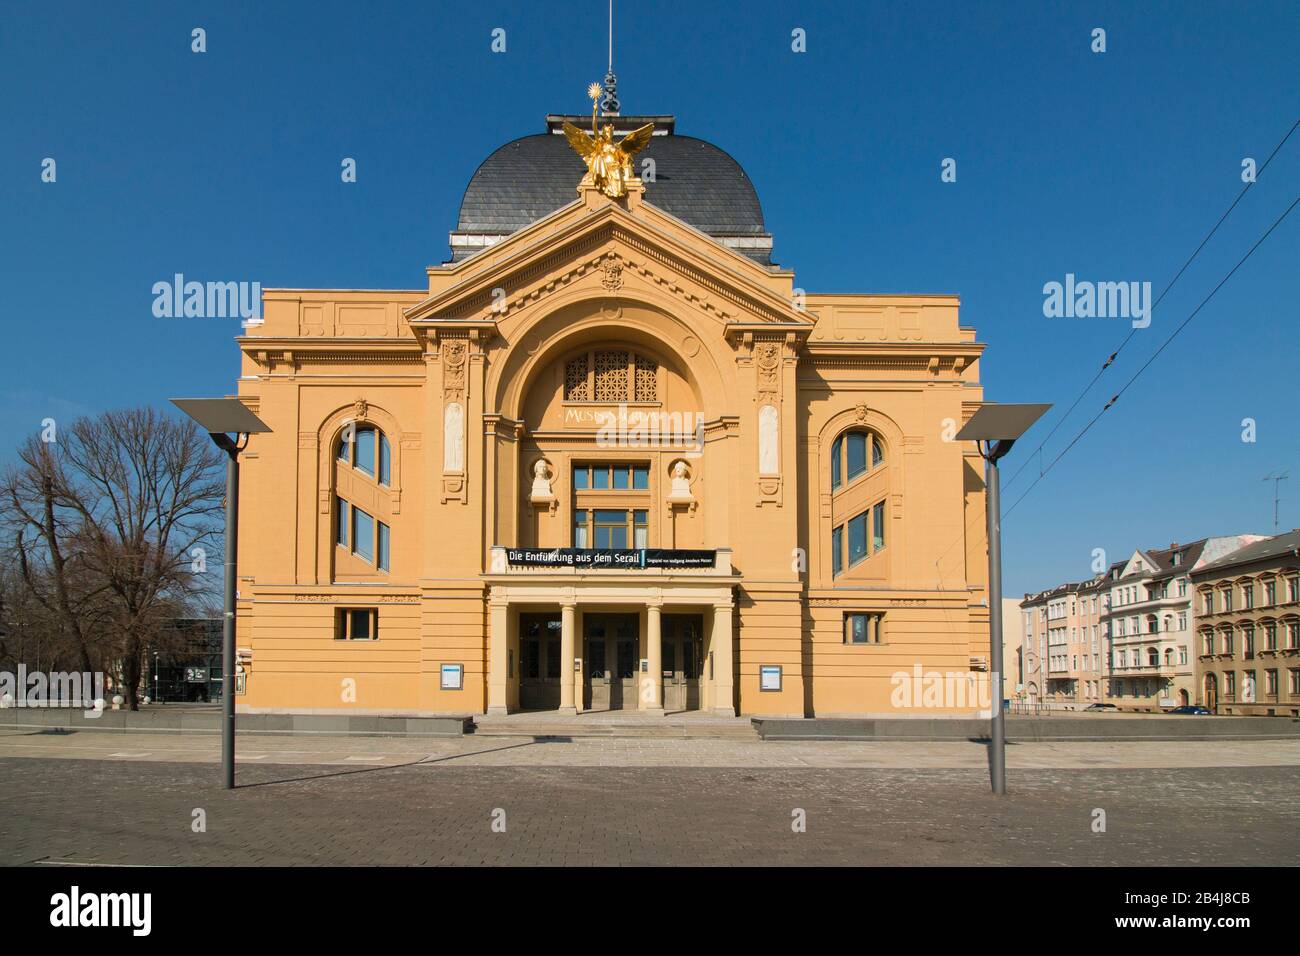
(609, 102)
(1277, 480)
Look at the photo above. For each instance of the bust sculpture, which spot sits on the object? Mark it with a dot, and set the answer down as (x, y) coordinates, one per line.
(681, 482)
(541, 479)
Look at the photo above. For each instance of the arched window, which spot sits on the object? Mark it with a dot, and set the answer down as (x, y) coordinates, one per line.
(363, 541)
(1153, 657)
(850, 454)
(611, 375)
(366, 449)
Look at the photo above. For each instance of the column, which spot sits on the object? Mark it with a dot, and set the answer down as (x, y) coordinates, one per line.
(566, 659)
(498, 641)
(720, 654)
(653, 682)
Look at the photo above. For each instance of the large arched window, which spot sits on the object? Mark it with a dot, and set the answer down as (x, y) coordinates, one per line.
(859, 523)
(854, 454)
(366, 449)
(362, 540)
(611, 375)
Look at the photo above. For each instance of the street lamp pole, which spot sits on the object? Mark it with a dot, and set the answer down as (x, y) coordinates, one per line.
(997, 734)
(222, 417)
(994, 429)
(228, 611)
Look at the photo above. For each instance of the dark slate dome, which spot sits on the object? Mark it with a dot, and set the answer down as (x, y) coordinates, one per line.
(531, 177)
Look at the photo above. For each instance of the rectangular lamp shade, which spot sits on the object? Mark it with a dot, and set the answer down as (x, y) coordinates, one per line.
(1001, 422)
(224, 415)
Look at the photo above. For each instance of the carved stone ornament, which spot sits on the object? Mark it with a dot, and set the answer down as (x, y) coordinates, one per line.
(612, 275)
(767, 358)
(453, 369)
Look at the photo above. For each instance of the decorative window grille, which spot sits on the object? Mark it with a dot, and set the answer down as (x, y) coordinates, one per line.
(575, 380)
(611, 376)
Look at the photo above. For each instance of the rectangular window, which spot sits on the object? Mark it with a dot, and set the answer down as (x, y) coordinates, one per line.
(1295, 682)
(1270, 636)
(1270, 593)
(365, 452)
(611, 529)
(341, 535)
(857, 538)
(600, 478)
(356, 624)
(1227, 599)
(363, 534)
(640, 529)
(1270, 683)
(837, 550)
(385, 460)
(621, 478)
(862, 628)
(878, 526)
(1248, 596)
(580, 538)
(1293, 590)
(383, 546)
(640, 478)
(581, 476)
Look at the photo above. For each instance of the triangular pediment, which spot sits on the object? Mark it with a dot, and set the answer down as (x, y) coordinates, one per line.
(583, 240)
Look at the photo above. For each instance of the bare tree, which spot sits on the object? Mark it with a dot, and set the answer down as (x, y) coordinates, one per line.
(119, 517)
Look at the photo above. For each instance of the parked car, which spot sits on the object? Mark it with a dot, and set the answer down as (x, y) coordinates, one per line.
(1194, 709)
(1101, 707)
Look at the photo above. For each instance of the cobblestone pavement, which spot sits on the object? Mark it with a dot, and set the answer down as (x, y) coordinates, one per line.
(644, 751)
(438, 812)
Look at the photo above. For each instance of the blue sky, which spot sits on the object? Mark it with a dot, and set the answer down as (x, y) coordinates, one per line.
(1112, 166)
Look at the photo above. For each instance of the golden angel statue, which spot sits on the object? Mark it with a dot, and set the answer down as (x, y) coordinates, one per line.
(608, 163)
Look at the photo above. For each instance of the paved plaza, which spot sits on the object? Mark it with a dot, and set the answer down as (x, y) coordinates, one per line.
(96, 798)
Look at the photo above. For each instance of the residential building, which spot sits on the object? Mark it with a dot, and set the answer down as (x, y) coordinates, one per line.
(1064, 645)
(1149, 622)
(1248, 629)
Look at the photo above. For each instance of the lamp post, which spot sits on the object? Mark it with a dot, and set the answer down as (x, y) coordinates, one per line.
(155, 677)
(995, 429)
(221, 418)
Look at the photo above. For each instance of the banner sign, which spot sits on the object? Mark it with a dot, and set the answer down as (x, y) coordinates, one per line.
(598, 558)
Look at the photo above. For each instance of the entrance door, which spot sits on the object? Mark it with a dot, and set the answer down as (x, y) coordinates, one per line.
(610, 645)
(539, 661)
(595, 670)
(683, 651)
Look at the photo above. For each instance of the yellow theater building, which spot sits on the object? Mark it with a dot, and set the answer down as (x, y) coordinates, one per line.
(608, 456)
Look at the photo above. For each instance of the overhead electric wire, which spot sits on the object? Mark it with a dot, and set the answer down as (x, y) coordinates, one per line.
(1163, 345)
(1132, 331)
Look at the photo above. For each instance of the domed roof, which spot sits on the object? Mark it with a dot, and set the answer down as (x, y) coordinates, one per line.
(531, 177)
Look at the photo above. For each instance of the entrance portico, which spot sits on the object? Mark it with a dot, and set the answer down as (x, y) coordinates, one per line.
(615, 629)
